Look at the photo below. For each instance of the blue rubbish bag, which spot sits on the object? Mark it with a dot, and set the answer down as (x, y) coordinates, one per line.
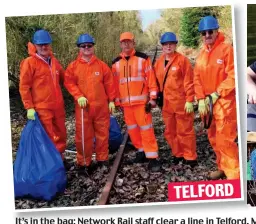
(38, 169)
(253, 164)
(115, 135)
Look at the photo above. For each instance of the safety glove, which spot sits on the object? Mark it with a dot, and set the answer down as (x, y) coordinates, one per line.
(111, 107)
(31, 114)
(215, 96)
(202, 107)
(149, 105)
(82, 101)
(189, 108)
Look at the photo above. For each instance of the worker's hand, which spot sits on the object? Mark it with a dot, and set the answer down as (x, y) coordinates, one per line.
(82, 101)
(189, 108)
(31, 114)
(214, 96)
(149, 105)
(111, 107)
(202, 107)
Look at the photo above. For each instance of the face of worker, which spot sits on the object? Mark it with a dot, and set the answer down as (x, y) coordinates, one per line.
(87, 49)
(209, 36)
(127, 46)
(43, 50)
(169, 47)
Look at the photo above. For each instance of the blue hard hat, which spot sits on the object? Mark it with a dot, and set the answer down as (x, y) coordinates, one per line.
(85, 38)
(42, 37)
(168, 37)
(208, 23)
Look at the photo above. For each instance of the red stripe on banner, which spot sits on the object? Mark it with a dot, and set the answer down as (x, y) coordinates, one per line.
(204, 190)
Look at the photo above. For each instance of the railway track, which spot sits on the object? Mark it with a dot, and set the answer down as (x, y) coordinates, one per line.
(106, 190)
(124, 183)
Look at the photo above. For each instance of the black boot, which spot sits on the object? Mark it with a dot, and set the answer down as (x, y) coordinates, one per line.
(85, 169)
(177, 160)
(140, 158)
(154, 165)
(103, 163)
(67, 165)
(191, 163)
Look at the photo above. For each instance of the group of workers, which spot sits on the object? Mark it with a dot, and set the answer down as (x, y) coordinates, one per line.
(133, 84)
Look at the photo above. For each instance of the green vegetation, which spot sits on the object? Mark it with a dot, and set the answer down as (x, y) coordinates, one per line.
(105, 27)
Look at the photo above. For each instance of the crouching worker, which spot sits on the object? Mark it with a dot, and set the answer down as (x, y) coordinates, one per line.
(89, 80)
(40, 76)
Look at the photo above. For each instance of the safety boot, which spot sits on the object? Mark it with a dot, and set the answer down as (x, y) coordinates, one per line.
(140, 158)
(154, 165)
(215, 175)
(85, 169)
(103, 163)
(191, 163)
(177, 160)
(67, 165)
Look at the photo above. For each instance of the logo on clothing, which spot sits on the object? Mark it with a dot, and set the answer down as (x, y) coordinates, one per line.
(97, 73)
(219, 61)
(174, 68)
(57, 72)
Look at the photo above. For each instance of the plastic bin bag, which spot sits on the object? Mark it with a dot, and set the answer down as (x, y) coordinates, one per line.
(38, 169)
(115, 135)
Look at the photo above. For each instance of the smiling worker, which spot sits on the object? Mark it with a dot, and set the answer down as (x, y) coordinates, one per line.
(214, 75)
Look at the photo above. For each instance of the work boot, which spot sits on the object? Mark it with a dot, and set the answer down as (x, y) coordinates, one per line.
(80, 169)
(85, 169)
(103, 163)
(67, 165)
(177, 160)
(215, 175)
(154, 165)
(140, 158)
(191, 163)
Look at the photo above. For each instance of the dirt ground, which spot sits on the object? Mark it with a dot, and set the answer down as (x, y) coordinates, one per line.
(134, 183)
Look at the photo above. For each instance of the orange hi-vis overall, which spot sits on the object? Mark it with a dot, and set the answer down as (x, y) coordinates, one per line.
(214, 72)
(94, 81)
(135, 83)
(178, 89)
(40, 89)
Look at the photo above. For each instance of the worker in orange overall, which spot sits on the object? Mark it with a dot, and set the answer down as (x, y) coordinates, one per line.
(214, 75)
(40, 77)
(175, 77)
(136, 87)
(90, 81)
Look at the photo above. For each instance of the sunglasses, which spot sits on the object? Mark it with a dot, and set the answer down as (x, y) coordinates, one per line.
(41, 45)
(85, 46)
(210, 32)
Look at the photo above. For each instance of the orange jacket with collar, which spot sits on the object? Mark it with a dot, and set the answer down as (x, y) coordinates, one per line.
(39, 82)
(93, 80)
(134, 79)
(179, 82)
(214, 70)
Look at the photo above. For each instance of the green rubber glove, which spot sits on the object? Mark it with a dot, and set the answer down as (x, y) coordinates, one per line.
(214, 96)
(189, 108)
(202, 107)
(31, 114)
(82, 101)
(111, 107)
